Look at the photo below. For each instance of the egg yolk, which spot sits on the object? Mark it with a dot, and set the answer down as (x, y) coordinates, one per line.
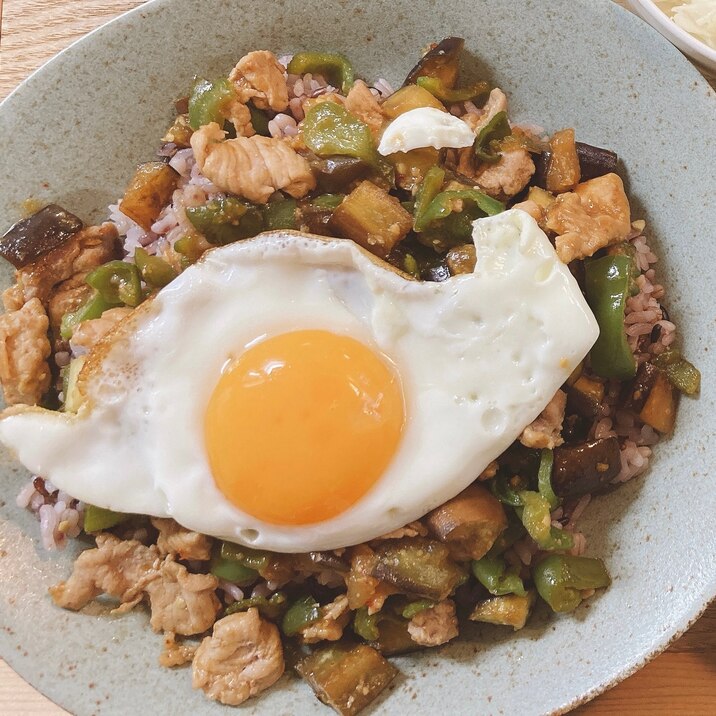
(301, 425)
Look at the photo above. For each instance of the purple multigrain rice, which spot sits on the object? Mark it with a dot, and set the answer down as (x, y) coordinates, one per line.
(233, 591)
(283, 125)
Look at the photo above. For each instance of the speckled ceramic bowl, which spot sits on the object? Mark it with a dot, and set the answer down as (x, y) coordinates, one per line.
(73, 133)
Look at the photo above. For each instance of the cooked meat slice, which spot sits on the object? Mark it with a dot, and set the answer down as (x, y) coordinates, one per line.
(260, 77)
(532, 208)
(85, 250)
(24, 350)
(120, 568)
(435, 625)
(496, 103)
(361, 102)
(177, 540)
(329, 627)
(181, 602)
(413, 529)
(251, 167)
(242, 658)
(88, 333)
(506, 178)
(240, 117)
(546, 430)
(489, 472)
(175, 653)
(595, 215)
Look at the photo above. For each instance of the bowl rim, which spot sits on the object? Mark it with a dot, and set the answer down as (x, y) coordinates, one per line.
(685, 41)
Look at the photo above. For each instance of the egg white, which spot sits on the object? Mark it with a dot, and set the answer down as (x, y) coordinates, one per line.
(480, 355)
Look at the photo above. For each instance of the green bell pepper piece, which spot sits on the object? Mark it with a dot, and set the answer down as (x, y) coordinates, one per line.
(366, 625)
(231, 570)
(209, 102)
(333, 67)
(271, 608)
(607, 281)
(544, 478)
(259, 120)
(494, 574)
(330, 129)
(97, 519)
(223, 221)
(413, 608)
(535, 516)
(93, 307)
(497, 128)
(328, 201)
(280, 215)
(300, 614)
(429, 189)
(410, 265)
(682, 374)
(436, 88)
(155, 271)
(506, 488)
(118, 282)
(560, 578)
(443, 205)
(252, 558)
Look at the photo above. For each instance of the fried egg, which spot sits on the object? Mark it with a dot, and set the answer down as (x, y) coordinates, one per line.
(294, 393)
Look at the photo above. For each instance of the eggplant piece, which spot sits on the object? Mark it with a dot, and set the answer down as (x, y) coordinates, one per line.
(441, 62)
(438, 272)
(637, 393)
(461, 259)
(27, 240)
(575, 428)
(470, 523)
(652, 396)
(393, 637)
(563, 172)
(585, 468)
(585, 396)
(334, 174)
(408, 98)
(508, 610)
(347, 679)
(148, 193)
(593, 162)
(418, 566)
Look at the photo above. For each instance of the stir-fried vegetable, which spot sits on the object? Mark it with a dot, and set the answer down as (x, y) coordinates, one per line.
(330, 129)
(585, 468)
(544, 479)
(347, 678)
(496, 129)
(607, 285)
(117, 282)
(561, 579)
(148, 193)
(259, 120)
(332, 66)
(429, 189)
(97, 519)
(155, 271)
(180, 132)
(93, 307)
(446, 202)
(538, 523)
(563, 170)
(413, 608)
(684, 376)
(209, 102)
(45, 230)
(225, 566)
(302, 613)
(408, 98)
(270, 607)
(441, 62)
(335, 173)
(494, 574)
(447, 95)
(225, 220)
(280, 214)
(508, 610)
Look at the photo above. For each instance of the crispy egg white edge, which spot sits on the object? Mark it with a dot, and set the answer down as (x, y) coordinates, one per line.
(530, 327)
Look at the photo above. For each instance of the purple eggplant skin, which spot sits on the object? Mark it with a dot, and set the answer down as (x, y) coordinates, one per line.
(45, 230)
(593, 162)
(439, 272)
(442, 62)
(585, 468)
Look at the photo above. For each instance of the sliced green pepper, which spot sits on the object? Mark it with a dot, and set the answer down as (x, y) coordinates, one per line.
(366, 625)
(607, 281)
(191, 247)
(280, 215)
(271, 608)
(515, 531)
(302, 613)
(333, 67)
(429, 189)
(497, 128)
(252, 558)
(436, 88)
(328, 201)
(223, 221)
(536, 518)
(494, 574)
(506, 488)
(155, 271)
(560, 578)
(259, 120)
(410, 265)
(413, 608)
(97, 519)
(93, 307)
(330, 129)
(682, 374)
(444, 204)
(544, 478)
(209, 102)
(231, 570)
(117, 282)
